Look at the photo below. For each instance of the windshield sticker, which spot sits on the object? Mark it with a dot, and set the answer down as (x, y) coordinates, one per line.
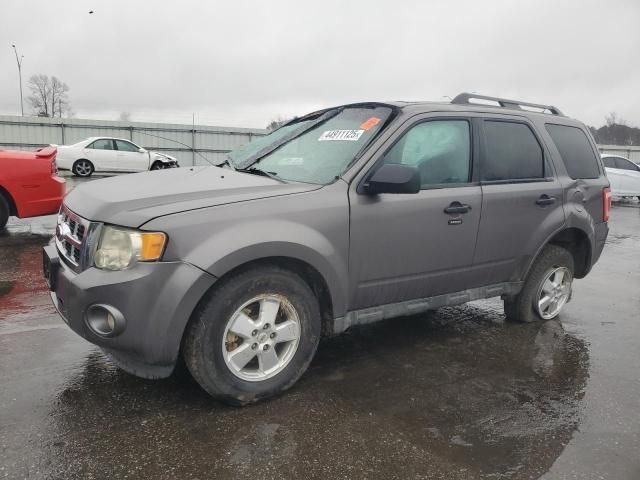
(344, 135)
(291, 161)
(370, 123)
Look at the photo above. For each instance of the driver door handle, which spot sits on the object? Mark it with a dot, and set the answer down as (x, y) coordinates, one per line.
(545, 200)
(457, 207)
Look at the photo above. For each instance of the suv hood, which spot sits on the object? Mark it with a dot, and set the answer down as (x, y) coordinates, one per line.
(132, 200)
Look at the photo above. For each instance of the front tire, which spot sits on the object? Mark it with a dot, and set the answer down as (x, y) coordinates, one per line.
(82, 168)
(253, 335)
(157, 166)
(4, 212)
(546, 289)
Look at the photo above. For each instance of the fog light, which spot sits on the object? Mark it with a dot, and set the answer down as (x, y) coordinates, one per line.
(105, 320)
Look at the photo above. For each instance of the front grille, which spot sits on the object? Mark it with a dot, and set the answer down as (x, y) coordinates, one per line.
(71, 236)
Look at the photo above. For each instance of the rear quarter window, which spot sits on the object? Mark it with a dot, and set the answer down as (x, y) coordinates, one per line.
(576, 151)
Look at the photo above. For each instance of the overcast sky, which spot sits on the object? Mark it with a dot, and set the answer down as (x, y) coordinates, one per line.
(244, 63)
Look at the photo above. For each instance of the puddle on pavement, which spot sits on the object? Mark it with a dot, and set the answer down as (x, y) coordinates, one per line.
(23, 291)
(456, 390)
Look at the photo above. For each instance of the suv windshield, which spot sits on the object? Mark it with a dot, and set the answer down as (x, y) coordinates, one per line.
(313, 150)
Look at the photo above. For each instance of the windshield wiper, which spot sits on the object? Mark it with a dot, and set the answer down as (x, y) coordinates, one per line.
(258, 171)
(227, 162)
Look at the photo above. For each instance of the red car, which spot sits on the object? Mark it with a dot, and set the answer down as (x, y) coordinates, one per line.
(29, 184)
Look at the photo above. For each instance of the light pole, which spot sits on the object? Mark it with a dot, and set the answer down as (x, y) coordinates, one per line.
(19, 62)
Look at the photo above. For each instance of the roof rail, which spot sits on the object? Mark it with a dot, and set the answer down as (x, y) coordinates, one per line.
(464, 99)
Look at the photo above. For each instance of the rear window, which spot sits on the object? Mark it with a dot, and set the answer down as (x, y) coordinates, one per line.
(512, 152)
(624, 164)
(575, 150)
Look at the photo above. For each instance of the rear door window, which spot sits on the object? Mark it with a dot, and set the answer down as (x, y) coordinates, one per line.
(609, 162)
(511, 152)
(576, 151)
(102, 144)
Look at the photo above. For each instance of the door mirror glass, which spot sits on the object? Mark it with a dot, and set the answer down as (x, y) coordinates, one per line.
(394, 178)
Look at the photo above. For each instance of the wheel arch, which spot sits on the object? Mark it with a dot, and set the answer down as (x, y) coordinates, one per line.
(578, 243)
(13, 209)
(304, 269)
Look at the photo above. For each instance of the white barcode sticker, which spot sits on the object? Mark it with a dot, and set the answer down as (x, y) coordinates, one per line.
(344, 135)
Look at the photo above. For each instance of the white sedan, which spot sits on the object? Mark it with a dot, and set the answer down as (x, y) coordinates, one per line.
(624, 176)
(106, 154)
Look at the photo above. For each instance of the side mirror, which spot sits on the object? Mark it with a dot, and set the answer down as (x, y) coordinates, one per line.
(394, 178)
(142, 150)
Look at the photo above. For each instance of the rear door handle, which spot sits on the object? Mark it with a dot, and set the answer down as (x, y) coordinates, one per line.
(457, 207)
(545, 200)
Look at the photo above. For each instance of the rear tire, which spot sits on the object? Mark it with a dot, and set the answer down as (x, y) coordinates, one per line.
(267, 315)
(540, 298)
(82, 168)
(4, 212)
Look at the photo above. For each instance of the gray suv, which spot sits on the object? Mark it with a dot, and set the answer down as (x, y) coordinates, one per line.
(342, 217)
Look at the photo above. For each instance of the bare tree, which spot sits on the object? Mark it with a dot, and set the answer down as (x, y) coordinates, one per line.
(40, 92)
(49, 96)
(59, 97)
(125, 116)
(277, 123)
(613, 119)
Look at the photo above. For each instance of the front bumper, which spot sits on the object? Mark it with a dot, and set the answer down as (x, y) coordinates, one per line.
(169, 163)
(155, 299)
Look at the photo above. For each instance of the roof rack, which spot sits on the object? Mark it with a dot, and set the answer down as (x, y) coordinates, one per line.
(464, 99)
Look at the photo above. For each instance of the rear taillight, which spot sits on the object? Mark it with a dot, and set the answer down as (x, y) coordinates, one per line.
(54, 166)
(606, 203)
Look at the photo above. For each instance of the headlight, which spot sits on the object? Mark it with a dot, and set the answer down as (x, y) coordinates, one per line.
(121, 248)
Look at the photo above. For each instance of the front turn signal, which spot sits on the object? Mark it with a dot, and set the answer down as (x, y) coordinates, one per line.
(152, 245)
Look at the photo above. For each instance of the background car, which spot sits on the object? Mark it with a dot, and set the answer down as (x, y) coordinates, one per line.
(107, 154)
(624, 176)
(29, 184)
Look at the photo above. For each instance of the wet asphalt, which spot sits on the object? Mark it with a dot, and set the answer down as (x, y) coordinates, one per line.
(452, 394)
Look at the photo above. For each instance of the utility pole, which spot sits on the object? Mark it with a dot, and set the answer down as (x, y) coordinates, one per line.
(19, 62)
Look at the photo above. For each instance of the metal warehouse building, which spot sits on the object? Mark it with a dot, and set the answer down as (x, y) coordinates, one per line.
(190, 144)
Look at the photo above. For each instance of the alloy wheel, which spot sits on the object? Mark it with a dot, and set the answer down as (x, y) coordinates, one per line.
(261, 338)
(553, 293)
(83, 168)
